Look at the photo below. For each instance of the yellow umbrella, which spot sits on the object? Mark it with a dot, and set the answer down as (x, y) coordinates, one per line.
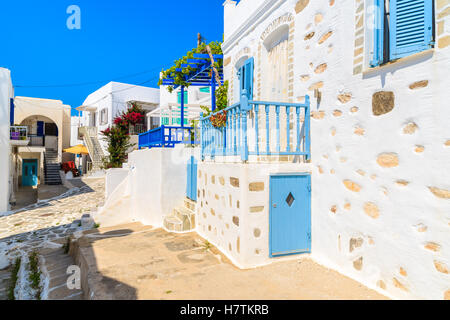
(79, 149)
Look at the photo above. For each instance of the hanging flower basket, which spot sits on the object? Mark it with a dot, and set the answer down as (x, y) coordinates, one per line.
(219, 120)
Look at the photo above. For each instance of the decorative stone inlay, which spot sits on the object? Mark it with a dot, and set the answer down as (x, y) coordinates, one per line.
(309, 35)
(321, 68)
(383, 102)
(320, 169)
(444, 42)
(354, 109)
(234, 182)
(256, 209)
(318, 18)
(403, 272)
(301, 4)
(419, 149)
(441, 267)
(398, 284)
(222, 180)
(337, 113)
(256, 186)
(344, 97)
(318, 115)
(227, 61)
(432, 246)
(213, 179)
(317, 85)
(236, 220)
(440, 193)
(352, 186)
(361, 172)
(334, 209)
(421, 228)
(381, 284)
(347, 206)
(410, 128)
(359, 131)
(257, 232)
(213, 212)
(355, 243)
(371, 209)
(284, 19)
(305, 77)
(447, 143)
(325, 37)
(358, 264)
(388, 160)
(418, 84)
(402, 183)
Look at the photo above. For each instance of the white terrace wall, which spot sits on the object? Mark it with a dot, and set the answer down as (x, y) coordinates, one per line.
(151, 186)
(233, 208)
(380, 141)
(6, 93)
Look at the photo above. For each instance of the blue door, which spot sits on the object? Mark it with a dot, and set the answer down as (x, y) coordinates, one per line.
(290, 214)
(29, 173)
(191, 184)
(40, 129)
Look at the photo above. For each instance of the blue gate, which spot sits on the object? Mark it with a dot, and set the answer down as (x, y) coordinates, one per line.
(290, 214)
(191, 184)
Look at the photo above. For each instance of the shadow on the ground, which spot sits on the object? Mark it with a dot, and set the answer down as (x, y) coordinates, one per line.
(105, 288)
(79, 189)
(40, 239)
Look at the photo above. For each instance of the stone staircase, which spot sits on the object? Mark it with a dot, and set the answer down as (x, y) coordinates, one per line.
(52, 167)
(56, 263)
(5, 278)
(182, 218)
(90, 138)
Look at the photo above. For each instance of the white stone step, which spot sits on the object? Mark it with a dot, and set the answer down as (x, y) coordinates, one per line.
(172, 223)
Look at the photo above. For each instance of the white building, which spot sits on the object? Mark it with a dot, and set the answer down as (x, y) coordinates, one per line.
(102, 106)
(370, 196)
(6, 94)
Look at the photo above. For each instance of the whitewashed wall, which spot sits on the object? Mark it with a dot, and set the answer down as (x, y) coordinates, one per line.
(114, 97)
(6, 93)
(381, 183)
(233, 208)
(149, 189)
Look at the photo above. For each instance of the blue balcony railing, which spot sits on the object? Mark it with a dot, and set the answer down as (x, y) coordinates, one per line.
(168, 137)
(259, 128)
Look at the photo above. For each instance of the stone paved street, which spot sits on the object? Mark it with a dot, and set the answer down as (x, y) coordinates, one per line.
(46, 225)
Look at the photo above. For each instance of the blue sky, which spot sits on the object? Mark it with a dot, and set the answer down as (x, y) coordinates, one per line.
(117, 39)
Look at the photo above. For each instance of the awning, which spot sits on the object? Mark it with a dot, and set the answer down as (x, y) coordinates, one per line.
(79, 149)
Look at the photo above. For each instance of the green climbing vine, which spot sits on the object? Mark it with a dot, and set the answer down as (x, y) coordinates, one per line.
(179, 76)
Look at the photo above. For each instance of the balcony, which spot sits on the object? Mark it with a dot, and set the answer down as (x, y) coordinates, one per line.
(19, 136)
(257, 130)
(168, 137)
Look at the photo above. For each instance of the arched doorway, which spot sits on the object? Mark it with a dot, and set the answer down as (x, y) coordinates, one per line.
(42, 131)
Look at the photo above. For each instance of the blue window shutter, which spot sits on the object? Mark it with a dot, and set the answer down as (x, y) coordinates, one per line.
(11, 112)
(411, 27)
(246, 77)
(378, 37)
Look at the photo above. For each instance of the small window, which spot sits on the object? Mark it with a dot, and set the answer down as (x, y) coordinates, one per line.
(104, 116)
(401, 28)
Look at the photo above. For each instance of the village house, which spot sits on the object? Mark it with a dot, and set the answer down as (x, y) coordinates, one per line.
(6, 96)
(335, 144)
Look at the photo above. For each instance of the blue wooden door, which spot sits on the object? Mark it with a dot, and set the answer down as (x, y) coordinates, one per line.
(29, 173)
(191, 183)
(290, 214)
(40, 128)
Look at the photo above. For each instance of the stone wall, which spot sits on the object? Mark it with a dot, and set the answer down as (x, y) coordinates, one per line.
(380, 146)
(233, 208)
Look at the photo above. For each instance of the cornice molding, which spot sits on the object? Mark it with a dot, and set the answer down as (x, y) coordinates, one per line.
(261, 13)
